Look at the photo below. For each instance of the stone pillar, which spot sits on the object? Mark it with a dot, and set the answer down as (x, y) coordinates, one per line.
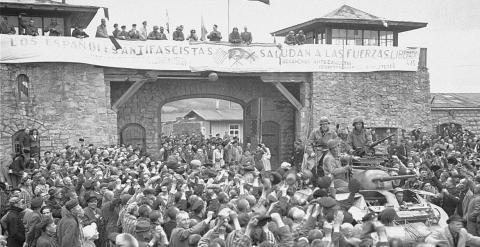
(303, 117)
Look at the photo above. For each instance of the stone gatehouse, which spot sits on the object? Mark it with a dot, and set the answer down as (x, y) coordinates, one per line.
(69, 101)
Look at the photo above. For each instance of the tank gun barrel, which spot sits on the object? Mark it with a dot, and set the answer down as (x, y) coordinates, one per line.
(384, 179)
(374, 168)
(380, 141)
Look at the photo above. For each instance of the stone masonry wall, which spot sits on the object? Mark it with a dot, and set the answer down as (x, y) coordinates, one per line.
(384, 99)
(144, 107)
(66, 102)
(469, 119)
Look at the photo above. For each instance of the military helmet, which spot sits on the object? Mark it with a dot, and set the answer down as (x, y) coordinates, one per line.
(324, 120)
(358, 120)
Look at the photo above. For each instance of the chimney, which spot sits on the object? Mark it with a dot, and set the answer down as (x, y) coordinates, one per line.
(64, 1)
(217, 104)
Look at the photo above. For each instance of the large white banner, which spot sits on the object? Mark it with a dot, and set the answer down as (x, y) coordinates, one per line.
(200, 56)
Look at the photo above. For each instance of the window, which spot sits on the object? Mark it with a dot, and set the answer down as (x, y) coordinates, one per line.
(348, 37)
(16, 141)
(321, 38)
(309, 38)
(386, 38)
(23, 86)
(354, 37)
(370, 37)
(234, 130)
(339, 36)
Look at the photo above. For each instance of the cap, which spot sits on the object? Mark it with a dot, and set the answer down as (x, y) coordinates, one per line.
(71, 204)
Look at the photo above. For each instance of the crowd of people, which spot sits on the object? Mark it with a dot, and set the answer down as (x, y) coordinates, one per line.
(216, 191)
(157, 33)
(143, 33)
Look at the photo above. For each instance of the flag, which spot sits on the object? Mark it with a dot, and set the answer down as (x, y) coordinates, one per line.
(263, 1)
(105, 12)
(115, 42)
(203, 30)
(168, 20)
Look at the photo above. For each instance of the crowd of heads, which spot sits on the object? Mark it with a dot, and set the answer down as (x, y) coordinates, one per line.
(215, 191)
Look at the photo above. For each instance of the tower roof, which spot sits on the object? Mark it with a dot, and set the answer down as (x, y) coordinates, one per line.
(350, 17)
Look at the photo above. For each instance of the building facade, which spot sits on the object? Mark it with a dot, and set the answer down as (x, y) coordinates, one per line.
(460, 109)
(108, 105)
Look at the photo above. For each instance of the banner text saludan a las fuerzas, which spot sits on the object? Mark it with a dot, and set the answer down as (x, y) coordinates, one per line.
(203, 56)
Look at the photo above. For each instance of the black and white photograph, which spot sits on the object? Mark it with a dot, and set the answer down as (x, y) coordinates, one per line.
(239, 123)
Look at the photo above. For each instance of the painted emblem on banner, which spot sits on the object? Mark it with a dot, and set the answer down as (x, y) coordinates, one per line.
(237, 56)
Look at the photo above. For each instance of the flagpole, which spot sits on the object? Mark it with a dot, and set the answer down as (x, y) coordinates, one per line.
(228, 16)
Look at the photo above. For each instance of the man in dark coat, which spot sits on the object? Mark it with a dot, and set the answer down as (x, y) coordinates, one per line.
(69, 232)
(16, 169)
(31, 219)
(234, 36)
(13, 222)
(214, 35)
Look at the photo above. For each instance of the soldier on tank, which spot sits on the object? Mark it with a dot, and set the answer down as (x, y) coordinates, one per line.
(359, 139)
(318, 140)
(333, 168)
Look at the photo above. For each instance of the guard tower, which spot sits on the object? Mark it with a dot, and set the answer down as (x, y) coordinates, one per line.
(43, 12)
(350, 26)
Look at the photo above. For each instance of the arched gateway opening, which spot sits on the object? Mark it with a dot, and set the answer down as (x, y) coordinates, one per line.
(139, 99)
(208, 117)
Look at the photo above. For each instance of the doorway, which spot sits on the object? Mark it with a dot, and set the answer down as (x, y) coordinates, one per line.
(271, 139)
(133, 134)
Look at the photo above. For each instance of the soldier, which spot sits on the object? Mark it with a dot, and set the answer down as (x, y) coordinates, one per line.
(318, 140)
(359, 138)
(319, 137)
(333, 168)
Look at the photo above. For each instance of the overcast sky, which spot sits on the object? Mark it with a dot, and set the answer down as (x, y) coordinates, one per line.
(452, 35)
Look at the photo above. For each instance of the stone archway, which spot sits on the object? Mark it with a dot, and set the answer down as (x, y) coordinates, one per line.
(144, 105)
